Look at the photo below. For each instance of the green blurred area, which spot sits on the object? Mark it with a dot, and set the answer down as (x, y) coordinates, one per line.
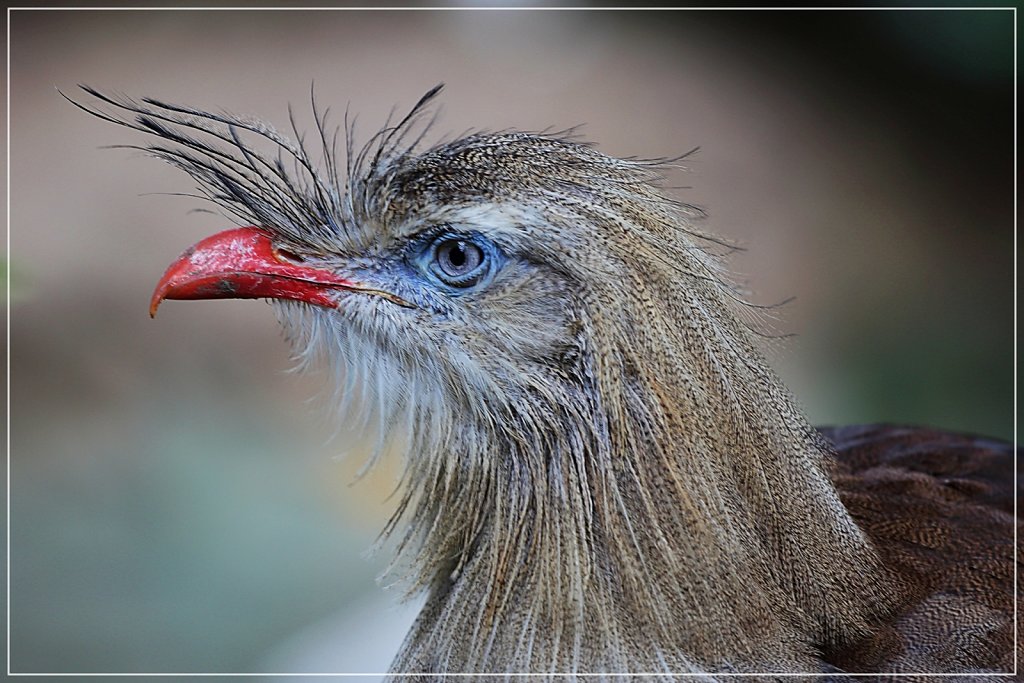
(160, 547)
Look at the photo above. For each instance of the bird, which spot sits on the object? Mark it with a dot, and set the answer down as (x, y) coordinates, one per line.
(602, 473)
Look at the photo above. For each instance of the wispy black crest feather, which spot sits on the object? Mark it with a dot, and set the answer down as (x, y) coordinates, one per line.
(305, 205)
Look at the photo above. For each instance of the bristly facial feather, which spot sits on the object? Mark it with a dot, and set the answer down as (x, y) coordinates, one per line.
(600, 465)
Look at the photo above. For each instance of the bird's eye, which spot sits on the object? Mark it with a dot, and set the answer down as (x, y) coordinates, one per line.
(459, 262)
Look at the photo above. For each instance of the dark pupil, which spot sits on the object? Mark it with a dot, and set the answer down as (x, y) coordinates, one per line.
(457, 258)
(457, 255)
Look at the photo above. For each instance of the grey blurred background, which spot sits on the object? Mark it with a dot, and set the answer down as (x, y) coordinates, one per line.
(175, 502)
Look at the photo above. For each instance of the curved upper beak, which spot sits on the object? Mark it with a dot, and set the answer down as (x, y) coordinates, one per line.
(242, 263)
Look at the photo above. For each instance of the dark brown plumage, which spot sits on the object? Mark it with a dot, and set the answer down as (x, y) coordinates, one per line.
(603, 473)
(939, 508)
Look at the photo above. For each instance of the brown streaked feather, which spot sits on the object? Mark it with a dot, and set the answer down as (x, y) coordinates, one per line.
(938, 506)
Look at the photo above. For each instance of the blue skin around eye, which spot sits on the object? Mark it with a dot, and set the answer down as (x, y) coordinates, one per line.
(422, 255)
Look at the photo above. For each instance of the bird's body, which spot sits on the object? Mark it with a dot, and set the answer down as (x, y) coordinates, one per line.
(603, 474)
(938, 507)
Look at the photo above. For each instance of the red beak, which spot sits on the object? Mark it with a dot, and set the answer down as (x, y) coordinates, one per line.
(244, 264)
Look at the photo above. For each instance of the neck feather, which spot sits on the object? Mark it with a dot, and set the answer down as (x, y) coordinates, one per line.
(691, 526)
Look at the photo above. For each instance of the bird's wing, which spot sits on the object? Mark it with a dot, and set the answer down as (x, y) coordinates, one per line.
(939, 508)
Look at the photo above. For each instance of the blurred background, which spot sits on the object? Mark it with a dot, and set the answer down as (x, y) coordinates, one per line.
(175, 500)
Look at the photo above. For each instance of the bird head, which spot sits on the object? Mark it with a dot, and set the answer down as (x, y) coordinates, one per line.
(540, 329)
